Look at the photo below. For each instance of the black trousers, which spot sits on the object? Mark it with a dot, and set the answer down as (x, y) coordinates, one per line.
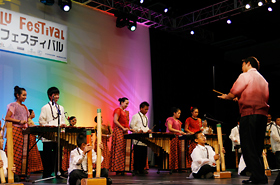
(49, 158)
(76, 176)
(252, 133)
(277, 160)
(140, 157)
(204, 170)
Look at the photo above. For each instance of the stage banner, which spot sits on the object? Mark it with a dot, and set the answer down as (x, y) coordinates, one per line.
(29, 35)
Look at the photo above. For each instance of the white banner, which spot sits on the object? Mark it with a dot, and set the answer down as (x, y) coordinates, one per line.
(29, 35)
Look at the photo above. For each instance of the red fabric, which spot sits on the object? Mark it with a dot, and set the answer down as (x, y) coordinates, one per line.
(252, 91)
(193, 124)
(175, 154)
(191, 145)
(123, 117)
(65, 159)
(176, 124)
(105, 153)
(117, 159)
(34, 157)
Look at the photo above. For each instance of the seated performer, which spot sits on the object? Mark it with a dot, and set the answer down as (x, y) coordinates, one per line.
(49, 117)
(78, 162)
(203, 157)
(205, 129)
(275, 141)
(4, 161)
(139, 123)
(72, 121)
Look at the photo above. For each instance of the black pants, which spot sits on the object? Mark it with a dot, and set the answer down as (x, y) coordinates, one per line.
(204, 170)
(77, 175)
(277, 160)
(49, 158)
(140, 157)
(252, 133)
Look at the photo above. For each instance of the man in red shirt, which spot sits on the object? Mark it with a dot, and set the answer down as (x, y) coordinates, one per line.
(251, 91)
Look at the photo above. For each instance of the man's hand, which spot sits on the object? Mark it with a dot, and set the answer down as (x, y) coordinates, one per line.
(1, 163)
(87, 148)
(216, 157)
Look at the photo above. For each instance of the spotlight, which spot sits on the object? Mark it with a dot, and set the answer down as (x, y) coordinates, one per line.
(247, 6)
(124, 19)
(192, 32)
(165, 10)
(269, 9)
(228, 21)
(65, 5)
(141, 1)
(260, 3)
(47, 2)
(273, 1)
(132, 25)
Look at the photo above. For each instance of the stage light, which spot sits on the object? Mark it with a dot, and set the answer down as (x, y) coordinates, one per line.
(247, 6)
(165, 10)
(141, 1)
(228, 21)
(65, 5)
(132, 25)
(47, 2)
(269, 9)
(192, 32)
(260, 3)
(273, 1)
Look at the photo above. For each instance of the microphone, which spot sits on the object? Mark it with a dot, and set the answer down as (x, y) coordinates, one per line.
(53, 100)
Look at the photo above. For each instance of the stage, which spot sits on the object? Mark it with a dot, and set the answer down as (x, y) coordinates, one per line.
(162, 178)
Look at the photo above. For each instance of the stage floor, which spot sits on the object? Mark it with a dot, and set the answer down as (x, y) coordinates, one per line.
(162, 178)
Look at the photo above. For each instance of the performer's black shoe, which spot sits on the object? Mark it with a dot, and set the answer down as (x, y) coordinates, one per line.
(253, 182)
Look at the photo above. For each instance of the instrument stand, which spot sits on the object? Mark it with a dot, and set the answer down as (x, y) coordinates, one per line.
(58, 174)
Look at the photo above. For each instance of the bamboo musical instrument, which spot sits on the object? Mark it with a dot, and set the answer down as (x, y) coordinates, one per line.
(98, 150)
(266, 166)
(89, 155)
(216, 147)
(223, 173)
(10, 151)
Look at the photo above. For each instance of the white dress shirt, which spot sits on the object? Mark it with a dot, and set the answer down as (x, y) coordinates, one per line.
(78, 160)
(200, 157)
(234, 135)
(48, 116)
(275, 138)
(5, 162)
(139, 122)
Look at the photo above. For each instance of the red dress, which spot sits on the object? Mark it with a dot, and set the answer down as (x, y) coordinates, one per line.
(175, 145)
(117, 159)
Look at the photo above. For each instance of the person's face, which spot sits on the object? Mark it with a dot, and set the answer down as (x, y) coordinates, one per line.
(277, 121)
(195, 113)
(177, 114)
(22, 96)
(144, 110)
(32, 115)
(201, 139)
(204, 123)
(124, 104)
(73, 121)
(268, 118)
(55, 97)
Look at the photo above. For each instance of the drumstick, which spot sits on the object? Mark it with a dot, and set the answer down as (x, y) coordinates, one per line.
(153, 127)
(217, 91)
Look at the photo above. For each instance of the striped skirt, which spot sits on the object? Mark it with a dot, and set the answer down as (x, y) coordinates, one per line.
(175, 153)
(34, 157)
(117, 159)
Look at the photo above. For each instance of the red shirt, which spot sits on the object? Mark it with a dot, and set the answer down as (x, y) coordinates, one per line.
(176, 124)
(252, 92)
(193, 124)
(122, 117)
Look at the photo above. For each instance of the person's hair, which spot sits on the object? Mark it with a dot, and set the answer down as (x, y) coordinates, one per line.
(95, 119)
(174, 110)
(195, 135)
(253, 61)
(72, 117)
(18, 91)
(51, 91)
(30, 111)
(193, 109)
(81, 138)
(122, 99)
(143, 104)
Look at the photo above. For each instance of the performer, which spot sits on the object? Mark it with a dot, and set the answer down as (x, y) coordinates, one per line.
(4, 161)
(139, 123)
(251, 90)
(18, 114)
(193, 123)
(121, 127)
(49, 117)
(34, 157)
(106, 134)
(203, 157)
(234, 136)
(275, 141)
(72, 121)
(173, 125)
(205, 129)
(269, 124)
(78, 162)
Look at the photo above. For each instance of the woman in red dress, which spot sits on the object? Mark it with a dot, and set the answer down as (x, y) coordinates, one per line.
(173, 125)
(121, 127)
(192, 125)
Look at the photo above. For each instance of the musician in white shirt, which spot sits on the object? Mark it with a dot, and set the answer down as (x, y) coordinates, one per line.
(203, 158)
(139, 123)
(234, 136)
(275, 141)
(49, 117)
(78, 166)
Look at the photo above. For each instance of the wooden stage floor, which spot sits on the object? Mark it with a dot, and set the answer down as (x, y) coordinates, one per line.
(163, 178)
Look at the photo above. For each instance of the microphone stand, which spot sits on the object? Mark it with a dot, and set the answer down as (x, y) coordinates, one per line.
(58, 174)
(217, 121)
